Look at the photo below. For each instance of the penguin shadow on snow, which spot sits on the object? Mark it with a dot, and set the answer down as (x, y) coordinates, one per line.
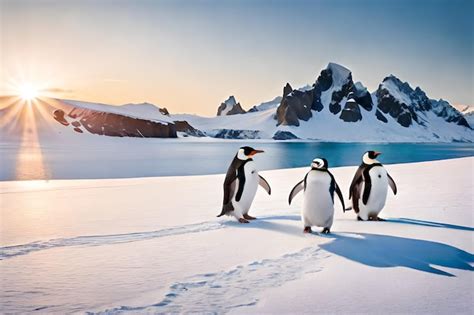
(430, 224)
(266, 223)
(384, 251)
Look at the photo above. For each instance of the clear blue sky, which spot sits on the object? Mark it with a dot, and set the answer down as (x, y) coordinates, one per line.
(190, 55)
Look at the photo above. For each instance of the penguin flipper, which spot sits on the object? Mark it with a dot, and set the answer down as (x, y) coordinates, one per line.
(339, 194)
(392, 184)
(298, 187)
(335, 187)
(262, 182)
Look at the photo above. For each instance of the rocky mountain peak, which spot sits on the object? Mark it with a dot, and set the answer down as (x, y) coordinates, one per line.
(287, 89)
(230, 107)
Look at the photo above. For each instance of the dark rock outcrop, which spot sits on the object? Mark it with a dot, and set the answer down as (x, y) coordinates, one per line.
(58, 115)
(298, 105)
(380, 116)
(287, 89)
(449, 113)
(362, 96)
(388, 104)
(230, 107)
(236, 134)
(410, 106)
(115, 125)
(284, 135)
(164, 111)
(351, 112)
(295, 105)
(184, 126)
(324, 80)
(337, 96)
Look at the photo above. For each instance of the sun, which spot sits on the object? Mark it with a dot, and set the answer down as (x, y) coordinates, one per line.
(28, 92)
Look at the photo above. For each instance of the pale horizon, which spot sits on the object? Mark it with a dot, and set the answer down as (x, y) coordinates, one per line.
(190, 56)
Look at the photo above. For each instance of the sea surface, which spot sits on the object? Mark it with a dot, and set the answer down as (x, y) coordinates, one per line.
(124, 158)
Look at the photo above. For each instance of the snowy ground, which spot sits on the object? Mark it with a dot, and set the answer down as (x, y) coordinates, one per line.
(154, 245)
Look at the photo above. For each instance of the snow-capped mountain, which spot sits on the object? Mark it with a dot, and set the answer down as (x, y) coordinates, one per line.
(230, 107)
(335, 108)
(266, 105)
(57, 119)
(467, 112)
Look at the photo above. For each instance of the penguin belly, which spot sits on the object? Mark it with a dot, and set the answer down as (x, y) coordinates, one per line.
(378, 194)
(318, 205)
(242, 206)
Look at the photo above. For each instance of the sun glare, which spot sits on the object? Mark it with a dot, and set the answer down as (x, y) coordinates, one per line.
(28, 92)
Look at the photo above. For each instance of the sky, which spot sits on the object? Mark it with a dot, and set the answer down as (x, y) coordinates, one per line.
(189, 56)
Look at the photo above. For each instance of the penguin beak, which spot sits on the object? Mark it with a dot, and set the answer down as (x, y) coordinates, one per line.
(377, 153)
(255, 152)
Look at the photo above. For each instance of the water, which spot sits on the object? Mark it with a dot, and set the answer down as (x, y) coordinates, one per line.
(154, 157)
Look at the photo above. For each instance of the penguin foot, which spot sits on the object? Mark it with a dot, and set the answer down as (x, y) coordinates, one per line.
(326, 231)
(307, 229)
(242, 220)
(249, 217)
(359, 218)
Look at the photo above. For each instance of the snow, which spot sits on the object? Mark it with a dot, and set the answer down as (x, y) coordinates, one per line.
(229, 104)
(360, 87)
(322, 126)
(142, 111)
(260, 120)
(325, 126)
(270, 104)
(305, 88)
(470, 119)
(340, 74)
(154, 245)
(468, 113)
(394, 90)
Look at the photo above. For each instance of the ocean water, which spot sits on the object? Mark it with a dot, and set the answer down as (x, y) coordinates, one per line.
(123, 158)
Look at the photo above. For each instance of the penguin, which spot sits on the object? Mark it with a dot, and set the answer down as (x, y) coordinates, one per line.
(240, 185)
(369, 186)
(319, 186)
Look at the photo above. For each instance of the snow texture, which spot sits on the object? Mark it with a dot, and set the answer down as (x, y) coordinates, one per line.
(153, 245)
(142, 111)
(229, 104)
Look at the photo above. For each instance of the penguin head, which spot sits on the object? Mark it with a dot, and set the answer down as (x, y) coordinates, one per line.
(246, 153)
(319, 163)
(370, 157)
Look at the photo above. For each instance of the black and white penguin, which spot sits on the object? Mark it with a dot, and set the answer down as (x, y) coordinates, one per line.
(369, 187)
(240, 185)
(319, 186)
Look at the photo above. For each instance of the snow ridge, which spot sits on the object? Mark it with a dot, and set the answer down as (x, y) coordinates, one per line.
(99, 240)
(224, 291)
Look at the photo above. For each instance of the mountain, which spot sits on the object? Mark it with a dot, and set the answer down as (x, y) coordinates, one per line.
(468, 113)
(334, 108)
(230, 107)
(266, 105)
(57, 119)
